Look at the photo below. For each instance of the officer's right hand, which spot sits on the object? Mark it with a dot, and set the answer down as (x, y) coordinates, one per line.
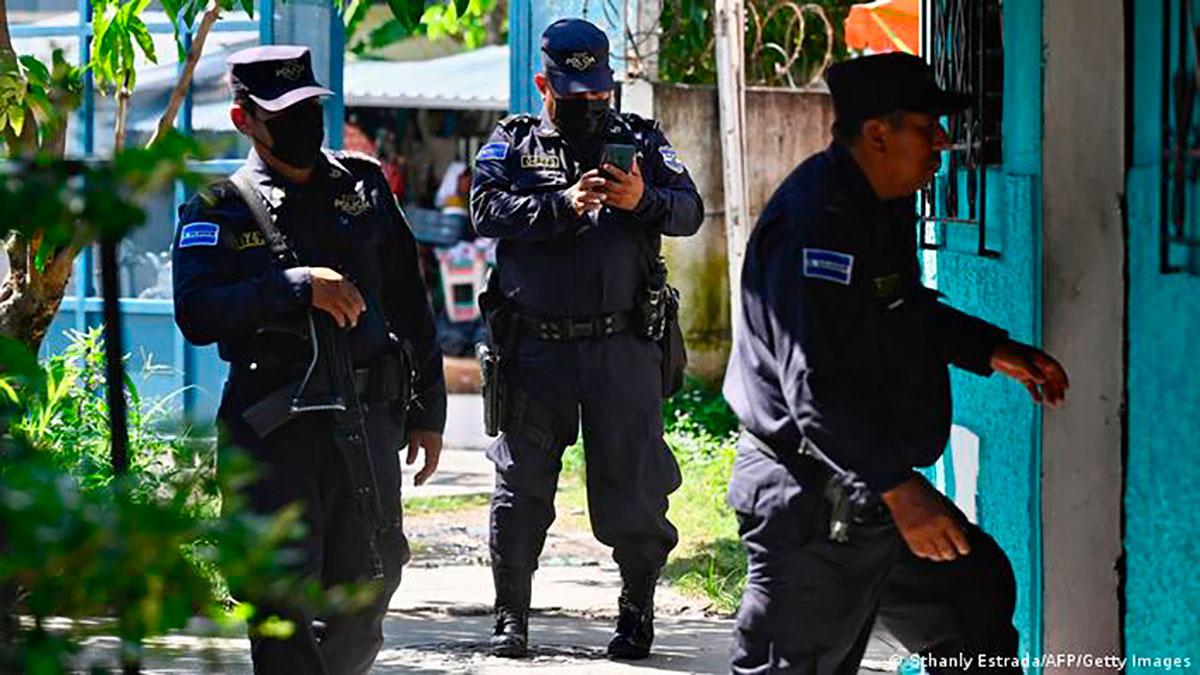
(334, 294)
(585, 195)
(929, 528)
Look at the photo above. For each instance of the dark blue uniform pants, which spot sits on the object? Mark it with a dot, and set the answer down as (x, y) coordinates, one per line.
(613, 386)
(299, 463)
(810, 603)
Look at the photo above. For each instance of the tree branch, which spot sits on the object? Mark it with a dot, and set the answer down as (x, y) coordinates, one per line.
(185, 80)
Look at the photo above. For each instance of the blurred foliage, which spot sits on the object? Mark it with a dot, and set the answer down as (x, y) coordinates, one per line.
(56, 203)
(119, 33)
(33, 93)
(699, 410)
(473, 23)
(788, 50)
(151, 549)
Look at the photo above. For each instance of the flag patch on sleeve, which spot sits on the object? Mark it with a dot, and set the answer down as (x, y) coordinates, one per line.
(492, 151)
(672, 160)
(198, 234)
(828, 265)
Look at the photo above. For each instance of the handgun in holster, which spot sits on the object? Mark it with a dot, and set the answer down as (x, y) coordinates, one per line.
(499, 315)
(846, 493)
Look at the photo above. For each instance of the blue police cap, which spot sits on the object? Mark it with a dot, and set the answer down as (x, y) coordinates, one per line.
(576, 56)
(275, 76)
(873, 86)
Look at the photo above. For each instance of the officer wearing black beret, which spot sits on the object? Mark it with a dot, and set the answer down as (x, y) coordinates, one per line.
(303, 270)
(579, 246)
(839, 377)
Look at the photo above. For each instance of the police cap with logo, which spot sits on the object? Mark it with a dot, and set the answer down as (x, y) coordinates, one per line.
(575, 52)
(873, 86)
(275, 76)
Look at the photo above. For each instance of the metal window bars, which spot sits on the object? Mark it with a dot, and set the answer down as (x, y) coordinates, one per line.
(1179, 240)
(963, 40)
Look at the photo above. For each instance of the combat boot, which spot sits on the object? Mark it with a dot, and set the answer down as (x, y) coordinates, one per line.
(510, 637)
(635, 619)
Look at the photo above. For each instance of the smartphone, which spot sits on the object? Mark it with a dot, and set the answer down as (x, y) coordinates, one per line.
(619, 155)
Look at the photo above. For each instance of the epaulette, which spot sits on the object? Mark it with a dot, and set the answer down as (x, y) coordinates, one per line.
(218, 192)
(639, 123)
(356, 156)
(520, 119)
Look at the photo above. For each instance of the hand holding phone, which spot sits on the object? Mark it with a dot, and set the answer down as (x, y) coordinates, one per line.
(623, 186)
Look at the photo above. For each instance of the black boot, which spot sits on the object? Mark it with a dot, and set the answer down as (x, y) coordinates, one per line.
(510, 637)
(635, 621)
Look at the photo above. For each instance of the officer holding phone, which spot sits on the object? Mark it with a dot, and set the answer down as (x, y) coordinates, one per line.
(579, 198)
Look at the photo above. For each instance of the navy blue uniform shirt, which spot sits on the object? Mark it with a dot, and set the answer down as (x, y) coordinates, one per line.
(552, 261)
(838, 340)
(228, 291)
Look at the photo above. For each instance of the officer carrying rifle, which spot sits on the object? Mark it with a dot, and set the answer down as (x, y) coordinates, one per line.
(303, 270)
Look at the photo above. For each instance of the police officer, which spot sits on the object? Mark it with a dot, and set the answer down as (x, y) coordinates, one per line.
(577, 243)
(350, 257)
(839, 377)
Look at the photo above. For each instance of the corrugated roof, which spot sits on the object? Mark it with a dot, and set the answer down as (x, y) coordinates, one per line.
(474, 80)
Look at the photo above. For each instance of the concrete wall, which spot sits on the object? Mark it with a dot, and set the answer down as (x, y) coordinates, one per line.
(1162, 504)
(787, 126)
(1083, 322)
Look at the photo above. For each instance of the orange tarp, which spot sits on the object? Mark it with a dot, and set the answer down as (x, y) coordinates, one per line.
(885, 26)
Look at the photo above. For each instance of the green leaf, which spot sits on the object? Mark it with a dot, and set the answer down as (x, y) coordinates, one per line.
(142, 35)
(461, 7)
(16, 118)
(248, 7)
(38, 72)
(408, 12)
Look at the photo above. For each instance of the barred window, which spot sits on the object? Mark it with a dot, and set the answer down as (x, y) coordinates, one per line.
(1179, 233)
(963, 40)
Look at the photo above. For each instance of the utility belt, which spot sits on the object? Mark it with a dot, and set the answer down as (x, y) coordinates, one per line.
(387, 381)
(567, 328)
(850, 500)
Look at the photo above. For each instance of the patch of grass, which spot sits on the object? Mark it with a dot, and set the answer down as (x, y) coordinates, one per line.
(709, 561)
(419, 506)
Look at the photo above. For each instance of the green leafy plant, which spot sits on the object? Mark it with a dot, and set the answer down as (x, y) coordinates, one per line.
(786, 42)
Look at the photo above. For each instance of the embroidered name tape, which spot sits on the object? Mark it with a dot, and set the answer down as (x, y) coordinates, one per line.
(832, 266)
(250, 239)
(198, 234)
(672, 160)
(540, 162)
(492, 151)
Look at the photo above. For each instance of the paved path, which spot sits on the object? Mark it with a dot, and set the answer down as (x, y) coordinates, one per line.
(440, 619)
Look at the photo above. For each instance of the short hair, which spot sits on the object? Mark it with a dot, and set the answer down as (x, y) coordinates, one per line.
(850, 130)
(243, 100)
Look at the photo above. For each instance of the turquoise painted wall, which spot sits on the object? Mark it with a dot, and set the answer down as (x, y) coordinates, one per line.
(1162, 502)
(1006, 291)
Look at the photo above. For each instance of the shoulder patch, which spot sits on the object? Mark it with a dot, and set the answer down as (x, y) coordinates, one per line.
(198, 234)
(357, 156)
(671, 159)
(492, 151)
(517, 120)
(828, 265)
(638, 122)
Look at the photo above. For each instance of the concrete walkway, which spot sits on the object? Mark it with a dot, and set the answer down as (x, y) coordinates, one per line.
(440, 619)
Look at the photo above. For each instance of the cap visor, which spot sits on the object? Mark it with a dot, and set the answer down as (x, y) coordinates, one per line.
(291, 98)
(598, 80)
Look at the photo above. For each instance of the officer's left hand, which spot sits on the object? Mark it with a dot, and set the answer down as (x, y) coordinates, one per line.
(431, 441)
(623, 190)
(1044, 377)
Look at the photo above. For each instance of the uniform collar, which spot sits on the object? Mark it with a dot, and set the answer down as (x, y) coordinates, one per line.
(274, 187)
(848, 168)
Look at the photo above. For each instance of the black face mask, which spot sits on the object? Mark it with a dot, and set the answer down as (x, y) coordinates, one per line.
(297, 135)
(580, 117)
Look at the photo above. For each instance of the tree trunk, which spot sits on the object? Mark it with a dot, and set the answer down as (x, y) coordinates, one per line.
(29, 299)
